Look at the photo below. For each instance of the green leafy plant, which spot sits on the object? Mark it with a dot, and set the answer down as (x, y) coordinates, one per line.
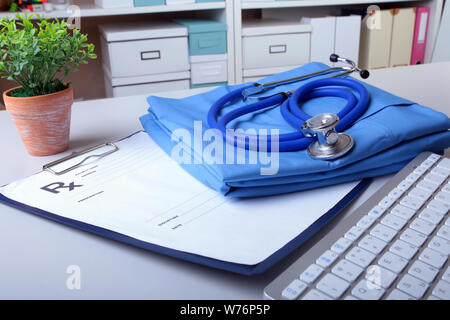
(39, 56)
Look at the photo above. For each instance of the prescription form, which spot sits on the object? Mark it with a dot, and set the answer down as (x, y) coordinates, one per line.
(139, 191)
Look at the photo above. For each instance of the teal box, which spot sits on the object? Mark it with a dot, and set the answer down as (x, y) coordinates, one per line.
(205, 36)
(142, 3)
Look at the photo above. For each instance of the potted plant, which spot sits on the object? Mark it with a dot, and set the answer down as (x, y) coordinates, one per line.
(38, 57)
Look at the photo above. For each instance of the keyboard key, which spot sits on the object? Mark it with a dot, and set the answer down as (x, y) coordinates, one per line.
(393, 222)
(433, 258)
(433, 157)
(377, 211)
(412, 202)
(443, 196)
(383, 233)
(366, 290)
(350, 297)
(403, 249)
(444, 232)
(399, 295)
(430, 216)
(420, 170)
(386, 202)
(372, 244)
(404, 185)
(360, 256)
(354, 233)
(396, 193)
(403, 212)
(413, 237)
(441, 171)
(380, 276)
(446, 275)
(327, 258)
(294, 290)
(315, 295)
(366, 221)
(428, 163)
(427, 185)
(438, 206)
(412, 286)
(439, 244)
(446, 188)
(413, 177)
(393, 262)
(311, 273)
(434, 178)
(347, 270)
(444, 163)
(423, 271)
(422, 226)
(341, 245)
(420, 193)
(442, 290)
(332, 285)
(433, 298)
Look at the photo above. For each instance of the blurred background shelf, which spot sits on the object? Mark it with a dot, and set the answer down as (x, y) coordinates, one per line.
(90, 10)
(311, 3)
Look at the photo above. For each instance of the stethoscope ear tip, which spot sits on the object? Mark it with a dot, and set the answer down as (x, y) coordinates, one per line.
(364, 74)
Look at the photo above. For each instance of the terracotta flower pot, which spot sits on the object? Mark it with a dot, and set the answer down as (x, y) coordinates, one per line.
(43, 121)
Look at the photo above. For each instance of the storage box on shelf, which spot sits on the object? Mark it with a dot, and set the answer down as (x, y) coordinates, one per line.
(205, 36)
(207, 50)
(143, 3)
(109, 4)
(208, 69)
(270, 46)
(142, 58)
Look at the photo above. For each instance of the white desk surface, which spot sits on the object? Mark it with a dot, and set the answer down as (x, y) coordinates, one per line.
(36, 252)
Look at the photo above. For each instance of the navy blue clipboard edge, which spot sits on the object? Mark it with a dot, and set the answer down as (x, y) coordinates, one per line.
(210, 262)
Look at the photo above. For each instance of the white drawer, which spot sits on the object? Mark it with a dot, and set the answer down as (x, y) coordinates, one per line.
(148, 88)
(275, 50)
(209, 72)
(146, 57)
(125, 86)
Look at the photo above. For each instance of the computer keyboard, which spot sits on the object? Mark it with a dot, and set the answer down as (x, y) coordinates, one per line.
(395, 246)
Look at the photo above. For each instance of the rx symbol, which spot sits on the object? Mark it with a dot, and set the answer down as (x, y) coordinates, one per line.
(53, 187)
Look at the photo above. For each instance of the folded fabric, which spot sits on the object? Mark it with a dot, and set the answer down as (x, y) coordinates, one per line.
(387, 136)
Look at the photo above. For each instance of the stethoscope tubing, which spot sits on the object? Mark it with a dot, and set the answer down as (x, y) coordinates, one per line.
(291, 112)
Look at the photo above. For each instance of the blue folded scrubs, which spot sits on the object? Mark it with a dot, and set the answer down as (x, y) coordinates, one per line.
(387, 136)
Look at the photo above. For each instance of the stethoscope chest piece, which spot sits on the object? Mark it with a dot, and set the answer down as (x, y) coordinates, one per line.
(329, 144)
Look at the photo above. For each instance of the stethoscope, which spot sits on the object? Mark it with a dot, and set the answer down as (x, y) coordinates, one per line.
(318, 134)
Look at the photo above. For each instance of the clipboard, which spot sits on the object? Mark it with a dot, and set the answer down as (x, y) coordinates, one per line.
(239, 268)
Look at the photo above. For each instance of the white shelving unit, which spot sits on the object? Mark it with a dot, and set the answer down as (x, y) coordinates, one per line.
(231, 12)
(90, 10)
(240, 7)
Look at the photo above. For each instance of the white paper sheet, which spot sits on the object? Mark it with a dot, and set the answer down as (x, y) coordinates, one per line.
(141, 192)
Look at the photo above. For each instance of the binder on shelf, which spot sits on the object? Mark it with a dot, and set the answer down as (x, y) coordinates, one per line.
(420, 35)
(402, 36)
(347, 37)
(322, 37)
(375, 42)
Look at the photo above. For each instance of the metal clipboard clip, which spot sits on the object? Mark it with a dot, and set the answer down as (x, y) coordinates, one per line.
(48, 166)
